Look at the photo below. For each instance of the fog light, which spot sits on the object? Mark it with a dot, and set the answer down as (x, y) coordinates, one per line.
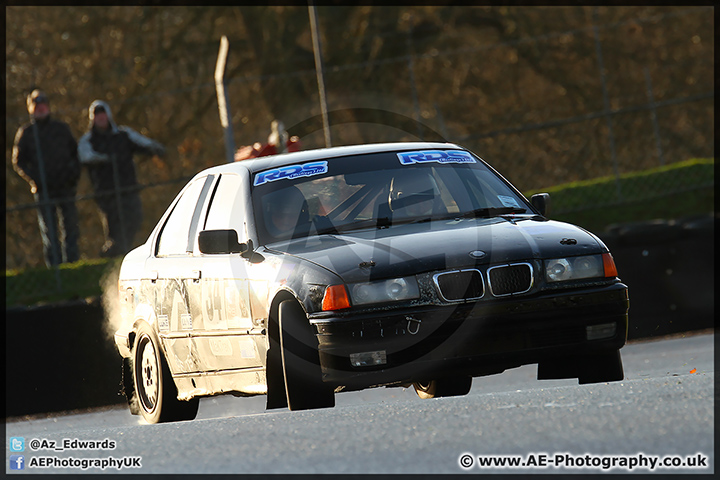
(596, 332)
(366, 359)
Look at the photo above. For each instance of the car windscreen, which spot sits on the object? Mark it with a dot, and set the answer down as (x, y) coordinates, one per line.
(377, 190)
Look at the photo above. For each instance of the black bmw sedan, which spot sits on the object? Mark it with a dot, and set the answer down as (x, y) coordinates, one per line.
(301, 275)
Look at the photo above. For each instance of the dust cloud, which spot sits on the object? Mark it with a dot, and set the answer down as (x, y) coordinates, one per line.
(110, 300)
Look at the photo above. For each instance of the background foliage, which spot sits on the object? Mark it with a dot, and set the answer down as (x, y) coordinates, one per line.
(548, 95)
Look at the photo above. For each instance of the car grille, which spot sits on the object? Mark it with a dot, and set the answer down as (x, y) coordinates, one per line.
(460, 285)
(510, 279)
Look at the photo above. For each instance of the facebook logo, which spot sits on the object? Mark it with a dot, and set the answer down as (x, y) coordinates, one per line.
(17, 444)
(17, 462)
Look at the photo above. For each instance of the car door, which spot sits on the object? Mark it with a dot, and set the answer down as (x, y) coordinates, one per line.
(175, 273)
(227, 340)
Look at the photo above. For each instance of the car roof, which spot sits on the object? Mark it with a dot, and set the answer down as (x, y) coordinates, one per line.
(270, 161)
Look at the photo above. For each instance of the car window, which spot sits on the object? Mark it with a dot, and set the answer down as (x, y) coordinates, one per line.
(175, 236)
(375, 190)
(226, 207)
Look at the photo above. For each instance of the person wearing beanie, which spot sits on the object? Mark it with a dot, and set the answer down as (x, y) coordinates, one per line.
(45, 155)
(107, 151)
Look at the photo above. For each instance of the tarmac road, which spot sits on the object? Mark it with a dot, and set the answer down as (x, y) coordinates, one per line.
(662, 411)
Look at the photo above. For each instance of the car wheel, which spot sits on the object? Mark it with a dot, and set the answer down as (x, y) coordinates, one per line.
(129, 387)
(276, 396)
(601, 367)
(155, 390)
(304, 387)
(443, 387)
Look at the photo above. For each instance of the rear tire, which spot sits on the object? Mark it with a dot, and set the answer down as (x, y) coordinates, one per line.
(304, 387)
(155, 390)
(129, 387)
(443, 387)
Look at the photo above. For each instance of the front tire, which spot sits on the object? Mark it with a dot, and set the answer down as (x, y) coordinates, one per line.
(155, 390)
(443, 387)
(601, 367)
(304, 387)
(597, 367)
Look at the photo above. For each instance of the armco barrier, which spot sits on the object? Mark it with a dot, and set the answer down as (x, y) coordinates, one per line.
(668, 266)
(60, 357)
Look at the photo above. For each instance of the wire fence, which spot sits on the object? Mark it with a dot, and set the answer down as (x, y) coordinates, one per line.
(620, 117)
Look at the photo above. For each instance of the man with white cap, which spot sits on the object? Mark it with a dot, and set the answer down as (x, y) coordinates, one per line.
(107, 150)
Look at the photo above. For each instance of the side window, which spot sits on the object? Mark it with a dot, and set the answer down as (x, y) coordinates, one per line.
(176, 231)
(226, 207)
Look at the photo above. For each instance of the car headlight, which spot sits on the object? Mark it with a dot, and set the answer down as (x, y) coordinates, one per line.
(575, 268)
(382, 291)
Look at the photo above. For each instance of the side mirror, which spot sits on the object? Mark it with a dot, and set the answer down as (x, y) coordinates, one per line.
(220, 241)
(541, 202)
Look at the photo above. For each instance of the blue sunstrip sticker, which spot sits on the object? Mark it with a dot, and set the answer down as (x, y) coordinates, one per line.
(437, 156)
(291, 171)
(508, 201)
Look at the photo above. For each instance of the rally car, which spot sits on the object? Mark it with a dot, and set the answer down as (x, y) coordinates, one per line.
(301, 275)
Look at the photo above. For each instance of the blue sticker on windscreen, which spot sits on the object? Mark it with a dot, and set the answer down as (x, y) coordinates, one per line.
(508, 201)
(291, 171)
(437, 156)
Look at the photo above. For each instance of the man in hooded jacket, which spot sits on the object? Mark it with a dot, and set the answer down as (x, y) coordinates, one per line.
(107, 150)
(45, 155)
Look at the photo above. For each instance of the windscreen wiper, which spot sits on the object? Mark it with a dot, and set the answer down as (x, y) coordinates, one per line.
(335, 229)
(491, 212)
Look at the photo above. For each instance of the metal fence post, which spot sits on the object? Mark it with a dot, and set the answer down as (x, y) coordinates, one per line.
(118, 201)
(606, 105)
(222, 97)
(317, 50)
(413, 84)
(48, 206)
(653, 116)
(441, 121)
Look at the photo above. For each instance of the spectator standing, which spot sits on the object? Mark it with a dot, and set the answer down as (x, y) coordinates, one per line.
(45, 155)
(108, 151)
(278, 142)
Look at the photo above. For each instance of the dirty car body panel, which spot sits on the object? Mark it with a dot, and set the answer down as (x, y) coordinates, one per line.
(400, 264)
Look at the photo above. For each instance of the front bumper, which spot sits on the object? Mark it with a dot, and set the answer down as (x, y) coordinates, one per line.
(471, 339)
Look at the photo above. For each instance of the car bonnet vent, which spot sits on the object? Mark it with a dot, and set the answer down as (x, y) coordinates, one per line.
(460, 285)
(510, 279)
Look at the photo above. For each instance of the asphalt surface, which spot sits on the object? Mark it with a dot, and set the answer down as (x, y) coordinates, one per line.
(662, 411)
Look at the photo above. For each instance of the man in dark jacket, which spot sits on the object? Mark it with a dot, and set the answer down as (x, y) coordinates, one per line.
(45, 155)
(107, 151)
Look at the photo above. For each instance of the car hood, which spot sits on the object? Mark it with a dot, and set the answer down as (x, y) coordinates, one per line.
(440, 245)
